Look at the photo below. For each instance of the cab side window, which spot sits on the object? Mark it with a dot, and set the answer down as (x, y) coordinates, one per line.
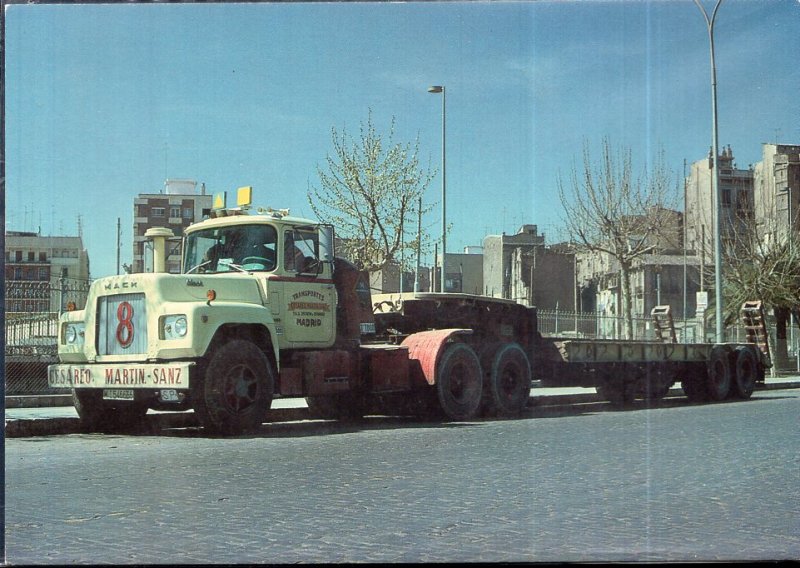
(301, 251)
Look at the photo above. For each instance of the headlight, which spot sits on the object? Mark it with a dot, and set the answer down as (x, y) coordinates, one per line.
(174, 327)
(73, 333)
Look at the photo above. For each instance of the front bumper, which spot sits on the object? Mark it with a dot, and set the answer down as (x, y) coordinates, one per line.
(171, 375)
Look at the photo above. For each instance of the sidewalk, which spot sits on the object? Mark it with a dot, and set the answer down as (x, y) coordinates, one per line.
(37, 415)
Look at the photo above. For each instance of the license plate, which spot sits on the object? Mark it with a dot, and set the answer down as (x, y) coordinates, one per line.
(118, 394)
(170, 395)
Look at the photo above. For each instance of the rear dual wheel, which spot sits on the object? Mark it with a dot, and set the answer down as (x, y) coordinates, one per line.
(718, 380)
(508, 385)
(745, 372)
(459, 382)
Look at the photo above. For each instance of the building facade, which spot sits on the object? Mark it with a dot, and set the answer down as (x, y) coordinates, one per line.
(43, 273)
(498, 260)
(777, 190)
(175, 208)
(736, 202)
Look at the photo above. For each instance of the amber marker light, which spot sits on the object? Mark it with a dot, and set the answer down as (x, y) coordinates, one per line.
(211, 295)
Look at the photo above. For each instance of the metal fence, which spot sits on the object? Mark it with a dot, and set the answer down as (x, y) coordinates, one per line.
(598, 326)
(31, 330)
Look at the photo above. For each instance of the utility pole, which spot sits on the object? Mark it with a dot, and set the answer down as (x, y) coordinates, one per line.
(419, 241)
(119, 233)
(715, 173)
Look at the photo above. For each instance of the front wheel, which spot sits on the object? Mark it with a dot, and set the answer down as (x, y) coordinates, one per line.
(234, 390)
(459, 382)
(98, 415)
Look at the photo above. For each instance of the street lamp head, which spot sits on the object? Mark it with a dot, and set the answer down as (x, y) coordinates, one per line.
(436, 89)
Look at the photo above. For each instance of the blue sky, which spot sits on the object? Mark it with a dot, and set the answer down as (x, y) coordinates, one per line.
(104, 102)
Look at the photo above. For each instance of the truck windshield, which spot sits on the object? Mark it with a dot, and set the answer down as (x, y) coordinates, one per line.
(225, 249)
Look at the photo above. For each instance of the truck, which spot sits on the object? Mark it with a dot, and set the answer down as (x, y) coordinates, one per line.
(263, 308)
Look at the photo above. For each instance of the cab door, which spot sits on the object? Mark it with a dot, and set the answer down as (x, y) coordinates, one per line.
(309, 295)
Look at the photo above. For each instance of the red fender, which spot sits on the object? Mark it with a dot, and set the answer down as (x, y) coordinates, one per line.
(424, 349)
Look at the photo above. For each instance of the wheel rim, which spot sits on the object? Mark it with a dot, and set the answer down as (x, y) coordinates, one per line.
(462, 383)
(510, 381)
(240, 388)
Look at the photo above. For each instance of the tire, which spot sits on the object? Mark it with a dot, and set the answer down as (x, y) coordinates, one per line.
(619, 396)
(508, 388)
(617, 392)
(745, 373)
(459, 382)
(694, 386)
(234, 390)
(655, 390)
(344, 406)
(98, 415)
(655, 382)
(718, 377)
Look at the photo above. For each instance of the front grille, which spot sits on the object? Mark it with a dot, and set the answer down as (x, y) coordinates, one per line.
(122, 324)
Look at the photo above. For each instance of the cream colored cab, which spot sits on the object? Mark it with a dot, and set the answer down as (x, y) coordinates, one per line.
(304, 285)
(290, 257)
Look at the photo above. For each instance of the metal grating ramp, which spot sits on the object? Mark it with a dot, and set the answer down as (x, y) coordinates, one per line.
(664, 324)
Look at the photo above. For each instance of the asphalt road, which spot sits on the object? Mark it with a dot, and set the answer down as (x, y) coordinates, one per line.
(576, 483)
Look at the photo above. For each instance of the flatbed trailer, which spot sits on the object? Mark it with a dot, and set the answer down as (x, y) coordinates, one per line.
(620, 370)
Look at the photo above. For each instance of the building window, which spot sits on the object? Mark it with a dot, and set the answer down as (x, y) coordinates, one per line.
(174, 211)
(18, 255)
(726, 197)
(157, 211)
(42, 257)
(187, 212)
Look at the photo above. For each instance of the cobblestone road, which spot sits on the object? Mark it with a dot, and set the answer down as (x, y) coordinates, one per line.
(709, 482)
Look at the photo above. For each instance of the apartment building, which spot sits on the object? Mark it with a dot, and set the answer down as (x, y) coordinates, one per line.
(180, 204)
(39, 266)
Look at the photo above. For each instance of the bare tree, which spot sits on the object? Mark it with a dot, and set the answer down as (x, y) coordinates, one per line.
(370, 190)
(762, 262)
(608, 210)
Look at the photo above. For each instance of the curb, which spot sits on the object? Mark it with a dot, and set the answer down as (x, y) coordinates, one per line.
(20, 428)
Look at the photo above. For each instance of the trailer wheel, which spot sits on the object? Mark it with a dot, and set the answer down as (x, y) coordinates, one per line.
(234, 393)
(98, 415)
(619, 396)
(459, 382)
(694, 386)
(509, 385)
(745, 373)
(718, 381)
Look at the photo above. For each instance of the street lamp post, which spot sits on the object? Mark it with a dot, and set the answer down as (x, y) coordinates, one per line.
(715, 173)
(440, 89)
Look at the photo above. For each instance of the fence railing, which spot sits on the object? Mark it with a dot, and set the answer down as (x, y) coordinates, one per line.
(590, 325)
(599, 326)
(31, 330)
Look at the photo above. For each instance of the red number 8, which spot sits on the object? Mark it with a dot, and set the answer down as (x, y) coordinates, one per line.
(125, 327)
